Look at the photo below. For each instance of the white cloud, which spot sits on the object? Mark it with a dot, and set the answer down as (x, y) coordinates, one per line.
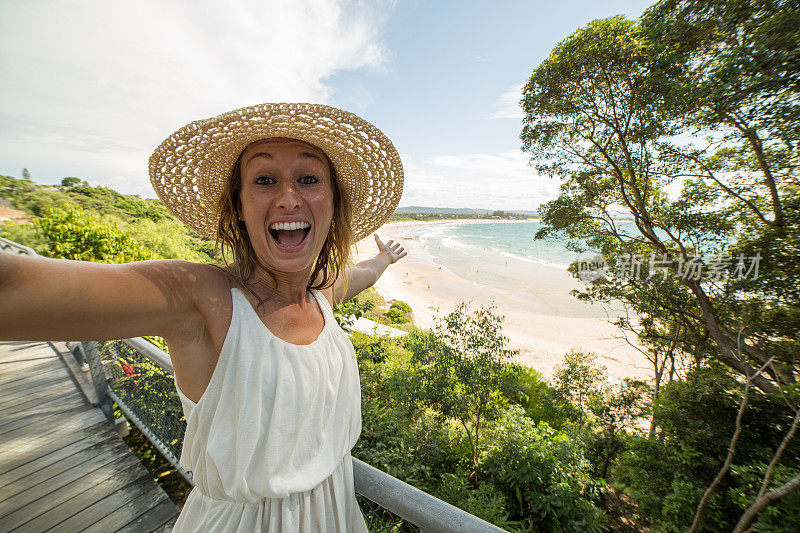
(91, 87)
(507, 106)
(483, 181)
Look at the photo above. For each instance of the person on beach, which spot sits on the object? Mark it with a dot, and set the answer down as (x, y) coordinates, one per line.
(268, 381)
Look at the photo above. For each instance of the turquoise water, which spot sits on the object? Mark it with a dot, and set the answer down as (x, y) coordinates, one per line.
(449, 243)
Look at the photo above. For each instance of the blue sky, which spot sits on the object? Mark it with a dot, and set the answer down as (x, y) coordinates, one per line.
(90, 87)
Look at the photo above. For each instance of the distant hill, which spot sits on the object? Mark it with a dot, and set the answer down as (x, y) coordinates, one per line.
(416, 209)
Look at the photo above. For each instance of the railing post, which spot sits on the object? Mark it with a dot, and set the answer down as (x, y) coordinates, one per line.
(76, 349)
(92, 354)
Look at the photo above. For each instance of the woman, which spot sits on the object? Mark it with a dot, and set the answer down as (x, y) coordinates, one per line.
(269, 384)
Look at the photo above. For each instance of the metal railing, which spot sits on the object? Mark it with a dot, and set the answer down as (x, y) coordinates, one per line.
(139, 378)
(15, 248)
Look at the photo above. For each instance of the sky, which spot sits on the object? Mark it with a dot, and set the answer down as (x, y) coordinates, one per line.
(90, 88)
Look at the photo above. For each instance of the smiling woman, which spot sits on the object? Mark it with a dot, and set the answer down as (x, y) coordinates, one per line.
(268, 382)
(257, 177)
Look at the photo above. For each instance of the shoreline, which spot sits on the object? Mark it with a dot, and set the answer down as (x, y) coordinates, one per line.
(542, 320)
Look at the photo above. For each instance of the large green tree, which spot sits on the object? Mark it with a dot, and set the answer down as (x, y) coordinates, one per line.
(616, 115)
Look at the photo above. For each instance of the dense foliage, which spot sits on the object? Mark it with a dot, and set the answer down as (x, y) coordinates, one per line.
(78, 221)
(446, 411)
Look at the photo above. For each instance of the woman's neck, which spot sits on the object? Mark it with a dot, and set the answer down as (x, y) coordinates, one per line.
(288, 287)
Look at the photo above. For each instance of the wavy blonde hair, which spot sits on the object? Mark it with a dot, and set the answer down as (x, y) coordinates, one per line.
(239, 258)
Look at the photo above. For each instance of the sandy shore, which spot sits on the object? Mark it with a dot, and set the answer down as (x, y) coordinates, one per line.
(542, 319)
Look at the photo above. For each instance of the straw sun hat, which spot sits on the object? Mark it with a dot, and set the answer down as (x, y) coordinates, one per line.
(191, 168)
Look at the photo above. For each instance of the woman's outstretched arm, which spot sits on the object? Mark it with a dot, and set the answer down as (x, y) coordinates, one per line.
(56, 299)
(364, 274)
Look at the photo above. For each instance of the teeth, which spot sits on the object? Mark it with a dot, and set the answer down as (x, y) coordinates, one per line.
(289, 225)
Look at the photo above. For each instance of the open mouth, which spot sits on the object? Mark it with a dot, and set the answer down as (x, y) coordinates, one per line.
(289, 236)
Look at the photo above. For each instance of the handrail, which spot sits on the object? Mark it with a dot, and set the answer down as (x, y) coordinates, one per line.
(153, 352)
(416, 506)
(15, 247)
(388, 498)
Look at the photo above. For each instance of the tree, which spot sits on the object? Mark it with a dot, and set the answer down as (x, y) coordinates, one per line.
(461, 369)
(68, 183)
(579, 380)
(26, 174)
(616, 410)
(603, 113)
(704, 96)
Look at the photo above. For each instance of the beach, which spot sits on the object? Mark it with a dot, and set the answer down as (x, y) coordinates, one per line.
(542, 319)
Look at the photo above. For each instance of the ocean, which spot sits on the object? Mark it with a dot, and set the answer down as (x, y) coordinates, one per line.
(508, 239)
(483, 251)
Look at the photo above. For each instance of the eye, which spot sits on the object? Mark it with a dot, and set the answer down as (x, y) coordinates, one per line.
(308, 180)
(263, 180)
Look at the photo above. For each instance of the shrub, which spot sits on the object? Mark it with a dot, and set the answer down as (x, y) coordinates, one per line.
(71, 233)
(460, 370)
(527, 388)
(398, 312)
(694, 419)
(543, 475)
(485, 502)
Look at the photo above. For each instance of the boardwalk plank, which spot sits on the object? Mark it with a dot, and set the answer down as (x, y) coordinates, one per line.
(53, 418)
(154, 519)
(16, 377)
(56, 391)
(36, 403)
(117, 509)
(74, 497)
(16, 371)
(21, 448)
(20, 499)
(62, 465)
(25, 386)
(11, 440)
(105, 447)
(43, 456)
(41, 417)
(36, 471)
(10, 398)
(25, 350)
(28, 354)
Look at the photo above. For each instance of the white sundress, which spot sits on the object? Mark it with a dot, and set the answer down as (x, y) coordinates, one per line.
(269, 441)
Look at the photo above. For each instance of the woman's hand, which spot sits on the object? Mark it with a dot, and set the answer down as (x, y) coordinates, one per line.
(394, 252)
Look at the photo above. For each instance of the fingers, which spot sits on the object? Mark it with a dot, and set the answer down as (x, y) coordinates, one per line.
(395, 250)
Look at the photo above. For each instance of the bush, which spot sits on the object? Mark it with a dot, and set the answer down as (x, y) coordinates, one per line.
(485, 502)
(542, 474)
(24, 234)
(416, 451)
(398, 312)
(527, 388)
(71, 233)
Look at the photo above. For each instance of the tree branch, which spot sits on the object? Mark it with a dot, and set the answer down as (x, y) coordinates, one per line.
(731, 449)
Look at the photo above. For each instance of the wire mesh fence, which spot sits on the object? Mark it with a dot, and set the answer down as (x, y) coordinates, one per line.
(146, 390)
(380, 520)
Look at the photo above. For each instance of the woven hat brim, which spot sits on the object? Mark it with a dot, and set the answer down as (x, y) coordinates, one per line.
(190, 169)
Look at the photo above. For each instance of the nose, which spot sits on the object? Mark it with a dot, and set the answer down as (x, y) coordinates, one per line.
(288, 196)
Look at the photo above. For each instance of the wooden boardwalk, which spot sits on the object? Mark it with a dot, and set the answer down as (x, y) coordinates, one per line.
(62, 465)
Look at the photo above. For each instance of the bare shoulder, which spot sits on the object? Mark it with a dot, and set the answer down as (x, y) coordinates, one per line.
(209, 288)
